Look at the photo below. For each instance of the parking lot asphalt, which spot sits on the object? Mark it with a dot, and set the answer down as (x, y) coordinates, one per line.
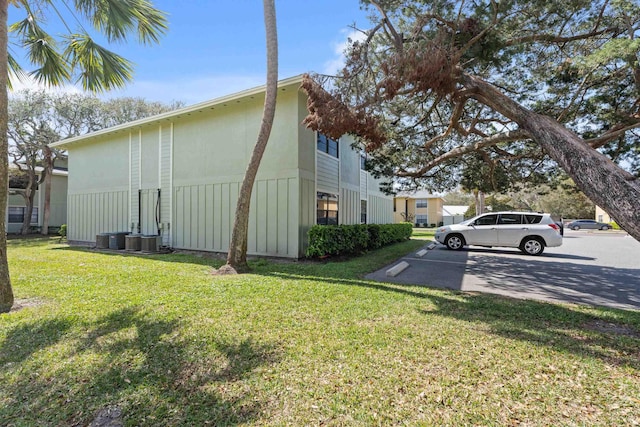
(600, 268)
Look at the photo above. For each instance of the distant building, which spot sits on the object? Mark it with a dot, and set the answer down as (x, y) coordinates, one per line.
(420, 207)
(453, 214)
(16, 206)
(602, 216)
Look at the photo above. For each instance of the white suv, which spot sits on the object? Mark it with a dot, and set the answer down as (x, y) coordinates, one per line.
(529, 231)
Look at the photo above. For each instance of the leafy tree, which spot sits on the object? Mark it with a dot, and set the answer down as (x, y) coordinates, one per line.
(74, 56)
(30, 130)
(457, 197)
(38, 118)
(237, 256)
(436, 81)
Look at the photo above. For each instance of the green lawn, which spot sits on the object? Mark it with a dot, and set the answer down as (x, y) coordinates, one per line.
(423, 233)
(308, 343)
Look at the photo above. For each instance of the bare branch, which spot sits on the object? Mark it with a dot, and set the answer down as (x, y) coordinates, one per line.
(492, 140)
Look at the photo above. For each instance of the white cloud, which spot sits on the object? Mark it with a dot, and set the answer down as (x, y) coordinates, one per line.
(188, 90)
(29, 83)
(335, 64)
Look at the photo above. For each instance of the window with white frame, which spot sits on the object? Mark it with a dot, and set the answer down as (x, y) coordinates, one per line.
(421, 203)
(421, 219)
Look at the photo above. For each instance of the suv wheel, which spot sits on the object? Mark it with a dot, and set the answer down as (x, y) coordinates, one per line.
(532, 245)
(604, 227)
(455, 242)
(575, 228)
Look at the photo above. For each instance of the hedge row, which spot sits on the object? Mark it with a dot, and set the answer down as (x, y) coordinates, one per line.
(354, 239)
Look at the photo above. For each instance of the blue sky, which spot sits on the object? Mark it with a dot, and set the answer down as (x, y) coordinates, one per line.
(214, 47)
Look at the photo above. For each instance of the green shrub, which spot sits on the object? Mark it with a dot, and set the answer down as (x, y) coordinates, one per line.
(327, 240)
(63, 231)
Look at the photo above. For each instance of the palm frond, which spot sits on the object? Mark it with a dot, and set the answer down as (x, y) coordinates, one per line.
(152, 23)
(42, 51)
(16, 70)
(118, 18)
(101, 69)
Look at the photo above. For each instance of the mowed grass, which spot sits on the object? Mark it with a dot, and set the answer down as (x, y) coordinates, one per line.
(423, 233)
(306, 343)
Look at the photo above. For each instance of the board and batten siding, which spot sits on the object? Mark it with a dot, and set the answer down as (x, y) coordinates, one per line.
(308, 213)
(349, 206)
(379, 209)
(328, 174)
(204, 215)
(166, 147)
(94, 213)
(134, 180)
(364, 188)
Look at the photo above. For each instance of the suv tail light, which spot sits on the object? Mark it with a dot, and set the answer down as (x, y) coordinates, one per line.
(555, 227)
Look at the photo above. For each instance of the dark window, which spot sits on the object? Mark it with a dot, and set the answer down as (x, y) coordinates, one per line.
(421, 219)
(363, 163)
(486, 220)
(16, 215)
(327, 209)
(327, 145)
(363, 211)
(532, 219)
(18, 181)
(421, 203)
(507, 219)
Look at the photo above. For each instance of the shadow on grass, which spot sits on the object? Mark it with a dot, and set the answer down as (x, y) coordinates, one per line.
(31, 240)
(26, 339)
(137, 362)
(610, 335)
(361, 265)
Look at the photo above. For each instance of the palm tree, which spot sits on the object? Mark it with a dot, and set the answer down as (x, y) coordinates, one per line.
(237, 256)
(74, 57)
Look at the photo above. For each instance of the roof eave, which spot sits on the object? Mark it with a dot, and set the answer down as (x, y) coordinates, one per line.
(175, 113)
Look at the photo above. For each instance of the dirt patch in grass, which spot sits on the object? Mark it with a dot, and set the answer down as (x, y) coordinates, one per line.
(19, 304)
(612, 328)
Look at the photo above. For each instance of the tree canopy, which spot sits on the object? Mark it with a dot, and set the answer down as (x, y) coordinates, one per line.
(436, 84)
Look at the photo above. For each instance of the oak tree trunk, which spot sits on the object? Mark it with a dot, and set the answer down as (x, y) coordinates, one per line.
(29, 196)
(604, 182)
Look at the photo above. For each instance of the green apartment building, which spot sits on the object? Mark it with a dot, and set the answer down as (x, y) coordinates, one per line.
(177, 175)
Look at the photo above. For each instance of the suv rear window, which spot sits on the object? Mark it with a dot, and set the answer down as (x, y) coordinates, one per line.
(532, 219)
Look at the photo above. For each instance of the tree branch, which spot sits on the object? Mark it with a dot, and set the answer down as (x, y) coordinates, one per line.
(552, 38)
(508, 136)
(614, 133)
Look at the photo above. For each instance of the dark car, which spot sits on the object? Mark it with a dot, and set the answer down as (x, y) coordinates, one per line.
(588, 224)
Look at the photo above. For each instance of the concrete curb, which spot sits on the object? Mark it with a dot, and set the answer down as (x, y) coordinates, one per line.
(397, 269)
